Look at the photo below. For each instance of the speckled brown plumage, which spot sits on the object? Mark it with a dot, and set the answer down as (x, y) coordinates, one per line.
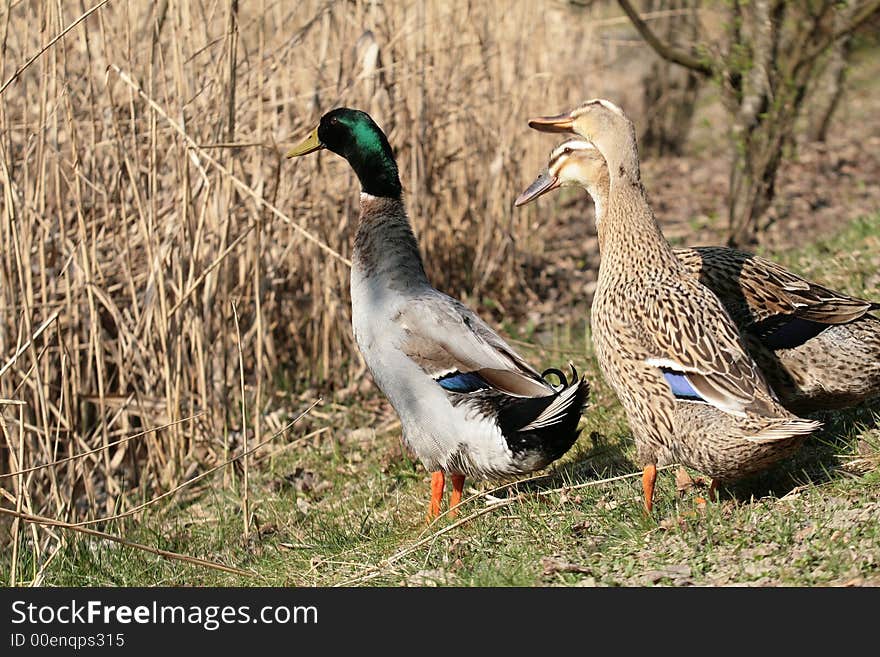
(838, 367)
(833, 363)
(651, 317)
(647, 309)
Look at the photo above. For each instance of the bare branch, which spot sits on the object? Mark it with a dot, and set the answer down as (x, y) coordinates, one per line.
(665, 50)
(860, 17)
(756, 81)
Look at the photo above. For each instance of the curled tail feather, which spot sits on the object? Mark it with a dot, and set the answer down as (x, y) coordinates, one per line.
(571, 398)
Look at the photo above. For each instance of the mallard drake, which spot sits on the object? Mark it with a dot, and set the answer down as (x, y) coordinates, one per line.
(818, 348)
(468, 403)
(664, 341)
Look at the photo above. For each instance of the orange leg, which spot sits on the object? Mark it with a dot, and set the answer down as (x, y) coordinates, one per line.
(713, 490)
(437, 483)
(649, 477)
(455, 498)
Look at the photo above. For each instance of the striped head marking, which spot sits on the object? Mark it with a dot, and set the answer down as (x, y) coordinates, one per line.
(573, 162)
(605, 125)
(612, 132)
(607, 104)
(599, 117)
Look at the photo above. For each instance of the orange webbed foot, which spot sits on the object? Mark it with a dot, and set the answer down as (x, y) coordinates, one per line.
(455, 498)
(438, 481)
(649, 478)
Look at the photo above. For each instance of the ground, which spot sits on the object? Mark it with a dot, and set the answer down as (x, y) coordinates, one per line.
(333, 500)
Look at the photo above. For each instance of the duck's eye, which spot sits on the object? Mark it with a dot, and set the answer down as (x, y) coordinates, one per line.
(566, 151)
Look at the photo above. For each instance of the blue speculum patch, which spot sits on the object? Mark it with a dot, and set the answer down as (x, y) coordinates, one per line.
(680, 386)
(463, 382)
(792, 333)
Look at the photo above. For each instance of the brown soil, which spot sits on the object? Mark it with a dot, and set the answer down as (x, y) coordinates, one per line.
(825, 185)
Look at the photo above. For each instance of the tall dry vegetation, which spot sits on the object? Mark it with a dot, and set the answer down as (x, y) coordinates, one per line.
(146, 202)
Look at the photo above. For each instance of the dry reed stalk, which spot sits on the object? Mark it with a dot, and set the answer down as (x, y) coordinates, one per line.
(51, 43)
(81, 455)
(38, 520)
(199, 477)
(143, 191)
(241, 185)
(245, 460)
(13, 570)
(24, 347)
(258, 214)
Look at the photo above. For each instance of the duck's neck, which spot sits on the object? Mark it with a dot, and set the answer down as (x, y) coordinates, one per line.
(620, 152)
(630, 239)
(384, 246)
(598, 191)
(369, 154)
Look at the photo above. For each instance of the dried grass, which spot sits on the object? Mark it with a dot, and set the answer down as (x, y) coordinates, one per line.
(148, 212)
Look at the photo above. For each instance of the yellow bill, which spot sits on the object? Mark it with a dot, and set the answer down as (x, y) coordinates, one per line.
(308, 145)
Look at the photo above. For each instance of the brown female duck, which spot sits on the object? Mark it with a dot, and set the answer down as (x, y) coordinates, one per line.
(818, 348)
(664, 341)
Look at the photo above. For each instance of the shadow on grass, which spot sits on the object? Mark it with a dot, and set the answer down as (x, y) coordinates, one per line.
(820, 459)
(603, 460)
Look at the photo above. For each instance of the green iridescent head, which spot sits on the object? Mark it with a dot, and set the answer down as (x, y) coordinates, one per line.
(355, 136)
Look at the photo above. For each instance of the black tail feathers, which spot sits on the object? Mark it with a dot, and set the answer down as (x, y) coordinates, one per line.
(563, 381)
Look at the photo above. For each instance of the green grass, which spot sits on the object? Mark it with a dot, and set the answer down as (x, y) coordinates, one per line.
(348, 506)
